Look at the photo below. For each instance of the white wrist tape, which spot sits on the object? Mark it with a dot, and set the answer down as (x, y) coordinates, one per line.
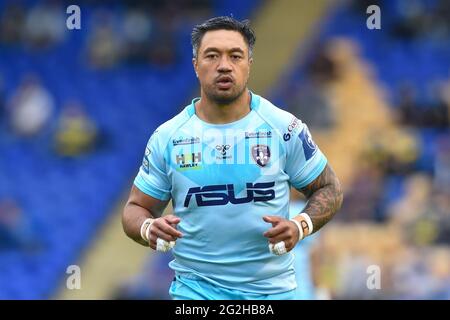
(147, 232)
(145, 228)
(308, 221)
(301, 235)
(306, 217)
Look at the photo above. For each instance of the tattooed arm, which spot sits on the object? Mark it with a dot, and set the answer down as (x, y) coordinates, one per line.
(324, 196)
(324, 200)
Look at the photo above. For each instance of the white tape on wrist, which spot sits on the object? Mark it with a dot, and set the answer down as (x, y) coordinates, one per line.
(301, 235)
(147, 232)
(145, 228)
(308, 221)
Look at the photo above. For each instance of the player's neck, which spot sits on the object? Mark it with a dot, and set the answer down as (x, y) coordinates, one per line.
(212, 112)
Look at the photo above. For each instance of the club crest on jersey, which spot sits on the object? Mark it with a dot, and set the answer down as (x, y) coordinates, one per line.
(261, 154)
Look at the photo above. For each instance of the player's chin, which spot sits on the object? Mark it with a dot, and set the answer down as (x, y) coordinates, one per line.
(225, 96)
(224, 92)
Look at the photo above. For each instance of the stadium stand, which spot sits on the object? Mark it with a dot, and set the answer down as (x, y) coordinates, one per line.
(67, 198)
(386, 92)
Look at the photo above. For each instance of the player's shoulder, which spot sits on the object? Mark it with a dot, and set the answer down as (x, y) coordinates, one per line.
(280, 120)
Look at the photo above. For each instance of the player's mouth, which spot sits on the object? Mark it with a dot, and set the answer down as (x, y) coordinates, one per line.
(224, 82)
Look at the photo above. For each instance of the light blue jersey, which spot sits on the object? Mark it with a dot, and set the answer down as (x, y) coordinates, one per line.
(223, 178)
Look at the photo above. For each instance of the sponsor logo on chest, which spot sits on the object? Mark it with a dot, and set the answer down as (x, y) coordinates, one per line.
(188, 161)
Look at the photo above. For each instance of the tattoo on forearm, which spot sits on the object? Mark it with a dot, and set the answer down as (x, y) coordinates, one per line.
(324, 198)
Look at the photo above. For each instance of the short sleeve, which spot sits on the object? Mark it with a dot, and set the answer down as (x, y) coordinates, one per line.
(305, 162)
(152, 177)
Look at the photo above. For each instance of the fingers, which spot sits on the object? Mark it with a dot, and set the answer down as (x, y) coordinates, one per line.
(282, 231)
(158, 233)
(289, 244)
(172, 219)
(164, 246)
(164, 229)
(168, 230)
(277, 229)
(152, 241)
(159, 244)
(284, 236)
(273, 232)
(278, 249)
(272, 219)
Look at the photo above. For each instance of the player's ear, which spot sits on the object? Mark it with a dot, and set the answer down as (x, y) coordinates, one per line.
(194, 63)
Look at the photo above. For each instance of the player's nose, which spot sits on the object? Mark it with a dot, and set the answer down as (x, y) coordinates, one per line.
(224, 65)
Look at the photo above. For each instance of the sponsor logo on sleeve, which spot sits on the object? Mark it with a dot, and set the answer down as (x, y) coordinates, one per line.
(145, 161)
(309, 147)
(292, 127)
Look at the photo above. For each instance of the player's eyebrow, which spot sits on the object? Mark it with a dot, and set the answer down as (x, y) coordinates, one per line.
(236, 49)
(214, 49)
(208, 50)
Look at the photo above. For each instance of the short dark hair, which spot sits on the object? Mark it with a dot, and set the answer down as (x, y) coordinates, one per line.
(223, 23)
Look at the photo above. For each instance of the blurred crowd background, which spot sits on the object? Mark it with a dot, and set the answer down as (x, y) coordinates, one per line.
(77, 107)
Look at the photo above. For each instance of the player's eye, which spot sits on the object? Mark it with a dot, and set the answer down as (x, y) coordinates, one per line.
(236, 57)
(211, 56)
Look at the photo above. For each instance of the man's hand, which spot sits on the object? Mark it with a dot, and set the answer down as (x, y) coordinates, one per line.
(165, 229)
(282, 230)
